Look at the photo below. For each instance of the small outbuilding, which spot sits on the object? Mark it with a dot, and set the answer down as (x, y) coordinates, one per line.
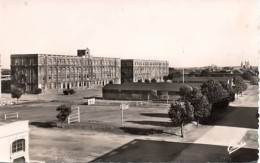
(144, 91)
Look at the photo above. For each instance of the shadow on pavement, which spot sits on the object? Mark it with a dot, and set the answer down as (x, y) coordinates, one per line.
(44, 124)
(159, 115)
(244, 117)
(161, 151)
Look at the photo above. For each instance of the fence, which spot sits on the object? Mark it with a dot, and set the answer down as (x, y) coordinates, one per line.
(91, 101)
(147, 104)
(2, 103)
(11, 115)
(74, 116)
(123, 107)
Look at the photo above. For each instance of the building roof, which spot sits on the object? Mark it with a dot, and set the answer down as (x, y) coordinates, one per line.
(149, 86)
(8, 129)
(201, 79)
(146, 60)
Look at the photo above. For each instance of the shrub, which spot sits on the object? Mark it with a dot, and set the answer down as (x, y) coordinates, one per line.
(65, 92)
(153, 81)
(64, 111)
(147, 81)
(71, 91)
(165, 78)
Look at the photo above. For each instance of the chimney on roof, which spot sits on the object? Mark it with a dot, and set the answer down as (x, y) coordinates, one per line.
(84, 52)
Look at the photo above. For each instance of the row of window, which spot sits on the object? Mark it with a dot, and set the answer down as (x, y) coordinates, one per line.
(76, 70)
(76, 84)
(151, 63)
(76, 77)
(78, 61)
(23, 61)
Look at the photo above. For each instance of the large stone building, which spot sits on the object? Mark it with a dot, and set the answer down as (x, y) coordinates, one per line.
(134, 70)
(54, 72)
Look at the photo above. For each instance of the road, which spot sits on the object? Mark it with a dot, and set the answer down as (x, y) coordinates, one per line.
(161, 151)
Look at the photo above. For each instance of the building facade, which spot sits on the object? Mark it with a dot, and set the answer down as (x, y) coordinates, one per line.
(14, 140)
(134, 70)
(55, 72)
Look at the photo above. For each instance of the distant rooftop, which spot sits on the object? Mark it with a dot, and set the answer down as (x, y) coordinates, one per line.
(201, 79)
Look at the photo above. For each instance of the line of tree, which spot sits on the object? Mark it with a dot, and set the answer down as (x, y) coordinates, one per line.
(251, 76)
(239, 85)
(198, 103)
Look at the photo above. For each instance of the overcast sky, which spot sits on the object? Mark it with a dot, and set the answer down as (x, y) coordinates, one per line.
(208, 31)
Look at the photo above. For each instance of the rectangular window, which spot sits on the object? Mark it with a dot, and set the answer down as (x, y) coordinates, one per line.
(18, 145)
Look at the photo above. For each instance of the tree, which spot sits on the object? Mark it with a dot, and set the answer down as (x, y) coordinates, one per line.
(38, 91)
(202, 107)
(165, 78)
(16, 93)
(153, 94)
(171, 76)
(229, 90)
(192, 73)
(64, 111)
(214, 92)
(110, 82)
(239, 85)
(254, 80)
(153, 80)
(185, 90)
(181, 112)
(175, 74)
(204, 73)
(246, 75)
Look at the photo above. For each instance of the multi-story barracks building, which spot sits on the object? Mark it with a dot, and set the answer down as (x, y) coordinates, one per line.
(136, 70)
(58, 72)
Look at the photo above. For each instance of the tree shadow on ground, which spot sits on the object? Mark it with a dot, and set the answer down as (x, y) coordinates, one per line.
(244, 117)
(155, 123)
(44, 124)
(159, 115)
(140, 131)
